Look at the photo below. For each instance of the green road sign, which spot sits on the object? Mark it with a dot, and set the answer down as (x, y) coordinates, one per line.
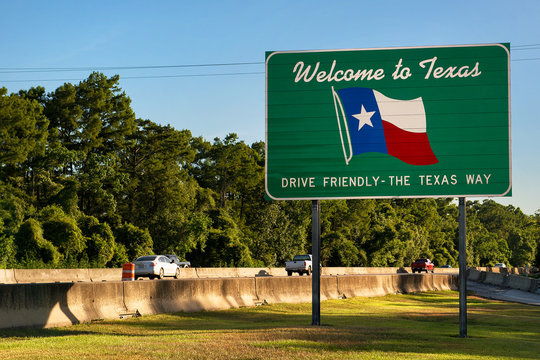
(396, 122)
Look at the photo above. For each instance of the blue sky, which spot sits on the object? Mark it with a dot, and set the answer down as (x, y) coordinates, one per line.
(213, 101)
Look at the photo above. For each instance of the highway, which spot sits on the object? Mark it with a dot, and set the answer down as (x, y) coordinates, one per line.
(502, 293)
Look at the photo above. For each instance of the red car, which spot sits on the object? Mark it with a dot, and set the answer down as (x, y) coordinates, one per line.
(422, 265)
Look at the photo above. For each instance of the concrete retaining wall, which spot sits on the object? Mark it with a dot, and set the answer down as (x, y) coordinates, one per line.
(22, 276)
(505, 280)
(284, 289)
(521, 283)
(476, 275)
(493, 278)
(98, 275)
(56, 304)
(63, 303)
(155, 297)
(367, 285)
(50, 275)
(7, 276)
(189, 273)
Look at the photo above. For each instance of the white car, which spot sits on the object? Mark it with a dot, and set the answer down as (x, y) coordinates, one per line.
(155, 266)
(500, 265)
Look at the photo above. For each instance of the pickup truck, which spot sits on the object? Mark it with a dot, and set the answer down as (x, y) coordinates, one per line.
(300, 264)
(181, 264)
(422, 265)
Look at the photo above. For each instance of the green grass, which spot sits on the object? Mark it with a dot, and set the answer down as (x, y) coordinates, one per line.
(414, 326)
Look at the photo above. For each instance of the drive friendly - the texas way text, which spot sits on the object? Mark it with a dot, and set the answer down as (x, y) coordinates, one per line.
(390, 180)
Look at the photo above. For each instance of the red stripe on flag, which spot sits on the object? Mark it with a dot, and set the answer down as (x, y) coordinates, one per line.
(410, 147)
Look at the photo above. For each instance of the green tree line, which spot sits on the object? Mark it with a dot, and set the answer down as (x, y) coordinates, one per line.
(84, 183)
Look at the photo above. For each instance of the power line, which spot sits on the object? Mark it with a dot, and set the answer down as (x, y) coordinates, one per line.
(8, 70)
(147, 77)
(524, 47)
(179, 75)
(528, 59)
(145, 67)
(18, 70)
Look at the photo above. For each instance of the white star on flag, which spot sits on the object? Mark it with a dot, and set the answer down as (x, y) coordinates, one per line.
(364, 118)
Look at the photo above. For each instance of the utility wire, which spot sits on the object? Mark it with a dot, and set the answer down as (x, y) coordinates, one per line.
(6, 70)
(148, 77)
(37, 69)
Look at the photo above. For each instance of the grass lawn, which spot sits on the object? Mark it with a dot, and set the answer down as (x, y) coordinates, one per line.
(415, 326)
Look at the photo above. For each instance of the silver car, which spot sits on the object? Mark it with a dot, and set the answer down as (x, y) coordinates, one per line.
(155, 266)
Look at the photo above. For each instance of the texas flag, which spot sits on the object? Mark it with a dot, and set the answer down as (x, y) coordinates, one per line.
(371, 122)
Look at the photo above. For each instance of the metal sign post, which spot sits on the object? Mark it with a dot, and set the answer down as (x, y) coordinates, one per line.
(462, 270)
(315, 268)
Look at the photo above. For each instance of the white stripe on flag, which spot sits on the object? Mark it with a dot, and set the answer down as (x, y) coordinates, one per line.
(408, 115)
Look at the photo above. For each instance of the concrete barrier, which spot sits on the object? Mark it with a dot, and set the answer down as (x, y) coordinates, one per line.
(239, 272)
(378, 270)
(217, 272)
(98, 275)
(108, 299)
(188, 273)
(59, 304)
(293, 289)
(446, 271)
(50, 275)
(494, 278)
(276, 272)
(76, 304)
(154, 297)
(498, 270)
(7, 276)
(443, 282)
(366, 285)
(521, 283)
(475, 275)
(363, 270)
(410, 283)
(373, 285)
(46, 305)
(20, 276)
(505, 280)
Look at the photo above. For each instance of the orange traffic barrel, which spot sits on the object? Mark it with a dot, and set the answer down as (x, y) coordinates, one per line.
(128, 272)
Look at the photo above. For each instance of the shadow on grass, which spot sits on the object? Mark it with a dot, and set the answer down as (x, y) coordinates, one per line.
(408, 332)
(352, 325)
(15, 333)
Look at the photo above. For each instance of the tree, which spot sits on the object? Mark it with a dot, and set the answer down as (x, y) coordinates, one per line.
(7, 248)
(94, 115)
(224, 246)
(24, 128)
(100, 184)
(64, 233)
(33, 250)
(160, 195)
(99, 240)
(514, 232)
(231, 168)
(278, 231)
(64, 113)
(535, 233)
(483, 247)
(136, 241)
(339, 250)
